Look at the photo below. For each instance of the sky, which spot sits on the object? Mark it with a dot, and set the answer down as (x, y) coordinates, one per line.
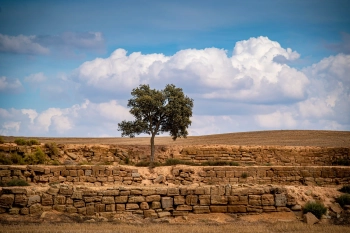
(67, 68)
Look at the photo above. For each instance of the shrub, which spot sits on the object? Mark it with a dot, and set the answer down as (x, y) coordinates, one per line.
(55, 162)
(53, 150)
(5, 160)
(171, 162)
(2, 140)
(20, 141)
(316, 208)
(342, 162)
(38, 157)
(147, 164)
(244, 175)
(33, 142)
(127, 160)
(345, 189)
(343, 200)
(17, 182)
(17, 159)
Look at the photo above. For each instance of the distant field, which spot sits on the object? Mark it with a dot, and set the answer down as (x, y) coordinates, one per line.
(278, 137)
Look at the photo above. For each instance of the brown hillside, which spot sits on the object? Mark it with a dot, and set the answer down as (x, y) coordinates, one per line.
(280, 137)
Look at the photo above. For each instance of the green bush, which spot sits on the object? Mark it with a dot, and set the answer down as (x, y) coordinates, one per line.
(4, 159)
(38, 157)
(171, 162)
(147, 164)
(23, 142)
(17, 159)
(14, 182)
(20, 141)
(2, 140)
(316, 208)
(345, 189)
(53, 150)
(343, 200)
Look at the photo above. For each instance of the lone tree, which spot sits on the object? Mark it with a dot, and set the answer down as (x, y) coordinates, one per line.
(155, 112)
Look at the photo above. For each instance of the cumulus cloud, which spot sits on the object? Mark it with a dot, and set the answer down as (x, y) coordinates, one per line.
(85, 119)
(21, 44)
(9, 85)
(250, 75)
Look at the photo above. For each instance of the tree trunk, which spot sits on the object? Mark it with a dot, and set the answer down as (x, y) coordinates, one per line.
(152, 150)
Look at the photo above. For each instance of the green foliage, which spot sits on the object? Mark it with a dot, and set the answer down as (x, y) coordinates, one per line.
(171, 162)
(220, 163)
(244, 175)
(147, 164)
(5, 159)
(23, 142)
(14, 182)
(127, 160)
(158, 111)
(343, 200)
(9, 159)
(345, 189)
(55, 162)
(316, 208)
(38, 157)
(53, 150)
(17, 159)
(2, 140)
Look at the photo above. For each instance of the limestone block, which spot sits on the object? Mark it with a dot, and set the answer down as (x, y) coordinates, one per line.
(282, 209)
(14, 211)
(191, 199)
(156, 205)
(136, 199)
(201, 209)
(132, 206)
(161, 191)
(144, 206)
(120, 207)
(204, 199)
(21, 200)
(173, 191)
(179, 200)
(59, 208)
(154, 198)
(77, 195)
(33, 199)
(163, 214)
(255, 209)
(121, 199)
(180, 213)
(148, 192)
(218, 200)
(71, 209)
(184, 208)
(218, 209)
(24, 211)
(90, 209)
(82, 210)
(269, 209)
(108, 200)
(110, 207)
(59, 200)
(267, 200)
(46, 200)
(280, 200)
(16, 190)
(238, 200)
(35, 208)
(150, 214)
(124, 193)
(167, 202)
(254, 200)
(136, 192)
(310, 219)
(100, 207)
(79, 204)
(217, 190)
(66, 191)
(52, 191)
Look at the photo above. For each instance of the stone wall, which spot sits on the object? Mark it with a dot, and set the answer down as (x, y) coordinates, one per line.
(243, 155)
(149, 202)
(102, 175)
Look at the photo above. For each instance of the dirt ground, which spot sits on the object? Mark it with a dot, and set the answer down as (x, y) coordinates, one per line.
(278, 137)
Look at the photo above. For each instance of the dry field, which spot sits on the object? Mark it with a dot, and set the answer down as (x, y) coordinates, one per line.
(278, 137)
(170, 228)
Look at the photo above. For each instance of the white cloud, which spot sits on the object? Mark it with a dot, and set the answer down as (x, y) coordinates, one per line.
(250, 75)
(276, 120)
(9, 126)
(7, 85)
(35, 78)
(21, 44)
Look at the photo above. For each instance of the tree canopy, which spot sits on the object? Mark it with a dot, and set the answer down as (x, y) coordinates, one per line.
(158, 111)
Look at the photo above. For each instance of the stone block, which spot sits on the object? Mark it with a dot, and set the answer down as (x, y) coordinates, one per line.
(120, 207)
(152, 198)
(136, 199)
(164, 214)
(110, 207)
(33, 199)
(121, 199)
(132, 206)
(60, 200)
(167, 202)
(269, 209)
(201, 209)
(280, 200)
(148, 192)
(35, 208)
(204, 199)
(14, 211)
(90, 209)
(59, 208)
(79, 204)
(236, 208)
(82, 210)
(21, 200)
(71, 209)
(218, 209)
(179, 200)
(52, 191)
(191, 199)
(108, 200)
(24, 211)
(66, 191)
(46, 200)
(267, 200)
(156, 205)
(144, 206)
(77, 195)
(254, 200)
(310, 219)
(180, 213)
(100, 207)
(150, 214)
(218, 200)
(173, 192)
(255, 209)
(184, 208)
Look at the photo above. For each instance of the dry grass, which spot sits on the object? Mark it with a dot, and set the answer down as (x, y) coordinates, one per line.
(175, 228)
(280, 137)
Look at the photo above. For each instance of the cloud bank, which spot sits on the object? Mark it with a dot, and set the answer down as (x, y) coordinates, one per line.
(253, 89)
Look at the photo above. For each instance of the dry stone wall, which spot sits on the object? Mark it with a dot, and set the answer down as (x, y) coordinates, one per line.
(149, 202)
(102, 175)
(243, 155)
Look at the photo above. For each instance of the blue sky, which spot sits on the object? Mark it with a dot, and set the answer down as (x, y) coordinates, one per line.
(67, 67)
